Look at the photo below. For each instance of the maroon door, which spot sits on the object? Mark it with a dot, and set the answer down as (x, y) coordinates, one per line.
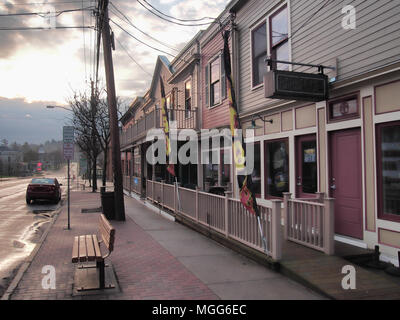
(345, 182)
(306, 166)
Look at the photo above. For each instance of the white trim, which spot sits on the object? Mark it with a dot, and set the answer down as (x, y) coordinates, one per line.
(351, 241)
(342, 125)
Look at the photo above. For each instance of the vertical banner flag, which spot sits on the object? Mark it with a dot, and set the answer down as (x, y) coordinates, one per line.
(165, 124)
(247, 194)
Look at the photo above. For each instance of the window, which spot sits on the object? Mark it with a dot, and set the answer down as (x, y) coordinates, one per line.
(256, 174)
(277, 168)
(215, 88)
(345, 108)
(259, 53)
(279, 38)
(388, 166)
(188, 98)
(215, 82)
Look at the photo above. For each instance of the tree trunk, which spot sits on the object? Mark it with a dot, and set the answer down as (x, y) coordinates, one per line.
(94, 184)
(105, 167)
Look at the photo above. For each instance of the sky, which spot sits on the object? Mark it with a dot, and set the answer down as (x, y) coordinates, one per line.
(45, 67)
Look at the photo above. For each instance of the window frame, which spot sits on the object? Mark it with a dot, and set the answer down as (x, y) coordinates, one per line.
(350, 96)
(379, 178)
(264, 21)
(223, 91)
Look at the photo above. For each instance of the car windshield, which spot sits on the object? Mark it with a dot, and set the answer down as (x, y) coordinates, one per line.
(42, 181)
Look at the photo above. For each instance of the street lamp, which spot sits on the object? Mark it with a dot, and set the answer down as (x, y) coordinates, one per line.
(52, 107)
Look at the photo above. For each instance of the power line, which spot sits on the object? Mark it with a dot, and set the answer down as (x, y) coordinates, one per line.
(183, 20)
(56, 13)
(142, 42)
(181, 24)
(54, 2)
(43, 28)
(133, 58)
(146, 34)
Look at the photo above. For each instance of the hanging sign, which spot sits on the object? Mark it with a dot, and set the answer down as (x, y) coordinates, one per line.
(290, 85)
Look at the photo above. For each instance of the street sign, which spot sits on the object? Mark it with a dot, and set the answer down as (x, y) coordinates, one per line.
(68, 139)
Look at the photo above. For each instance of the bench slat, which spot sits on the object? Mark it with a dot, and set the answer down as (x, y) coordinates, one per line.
(90, 248)
(106, 225)
(97, 248)
(82, 249)
(75, 250)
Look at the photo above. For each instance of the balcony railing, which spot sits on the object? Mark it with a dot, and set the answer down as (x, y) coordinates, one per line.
(179, 119)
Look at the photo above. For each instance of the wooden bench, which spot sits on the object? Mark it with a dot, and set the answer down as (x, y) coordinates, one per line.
(86, 248)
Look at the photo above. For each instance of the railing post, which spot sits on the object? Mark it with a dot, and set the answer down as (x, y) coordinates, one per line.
(320, 196)
(175, 195)
(286, 198)
(276, 245)
(152, 190)
(162, 192)
(197, 203)
(329, 226)
(226, 215)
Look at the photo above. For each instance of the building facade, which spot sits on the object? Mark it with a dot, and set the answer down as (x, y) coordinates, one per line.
(347, 146)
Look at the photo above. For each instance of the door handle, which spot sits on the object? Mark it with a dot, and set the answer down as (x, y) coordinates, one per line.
(298, 181)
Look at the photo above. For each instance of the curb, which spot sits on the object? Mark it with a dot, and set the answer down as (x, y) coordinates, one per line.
(25, 265)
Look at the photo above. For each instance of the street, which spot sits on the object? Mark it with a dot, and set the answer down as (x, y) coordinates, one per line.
(22, 225)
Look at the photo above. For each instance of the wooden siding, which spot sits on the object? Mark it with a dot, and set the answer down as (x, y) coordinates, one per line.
(372, 45)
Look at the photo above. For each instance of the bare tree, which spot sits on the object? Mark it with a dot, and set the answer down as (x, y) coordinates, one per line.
(92, 127)
(85, 117)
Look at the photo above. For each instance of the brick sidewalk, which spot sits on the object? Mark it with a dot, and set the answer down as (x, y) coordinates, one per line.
(145, 270)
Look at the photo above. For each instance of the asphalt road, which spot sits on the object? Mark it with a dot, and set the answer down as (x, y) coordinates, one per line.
(22, 225)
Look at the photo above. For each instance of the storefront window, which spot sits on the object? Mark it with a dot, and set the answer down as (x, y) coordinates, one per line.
(256, 174)
(388, 160)
(277, 168)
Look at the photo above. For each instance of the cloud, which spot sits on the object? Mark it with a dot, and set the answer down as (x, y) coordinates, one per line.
(21, 121)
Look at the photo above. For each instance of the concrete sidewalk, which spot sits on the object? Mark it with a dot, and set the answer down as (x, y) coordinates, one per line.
(154, 258)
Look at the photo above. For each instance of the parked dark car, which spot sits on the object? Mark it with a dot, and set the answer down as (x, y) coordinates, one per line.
(43, 189)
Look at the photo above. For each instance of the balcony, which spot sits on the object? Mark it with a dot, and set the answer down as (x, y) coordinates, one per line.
(179, 119)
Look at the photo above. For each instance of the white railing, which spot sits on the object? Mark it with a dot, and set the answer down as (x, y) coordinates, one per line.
(223, 215)
(310, 223)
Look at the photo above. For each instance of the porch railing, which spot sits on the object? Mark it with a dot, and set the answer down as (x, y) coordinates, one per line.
(310, 222)
(222, 214)
(180, 119)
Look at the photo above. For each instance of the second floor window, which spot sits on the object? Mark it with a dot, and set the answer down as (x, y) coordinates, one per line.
(215, 84)
(188, 98)
(259, 53)
(279, 38)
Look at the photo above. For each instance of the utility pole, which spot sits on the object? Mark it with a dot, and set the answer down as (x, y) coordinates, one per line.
(112, 110)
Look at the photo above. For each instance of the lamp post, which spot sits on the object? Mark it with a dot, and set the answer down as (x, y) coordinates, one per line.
(68, 138)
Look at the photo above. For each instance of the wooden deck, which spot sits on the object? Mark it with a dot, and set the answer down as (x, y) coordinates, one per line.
(323, 273)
